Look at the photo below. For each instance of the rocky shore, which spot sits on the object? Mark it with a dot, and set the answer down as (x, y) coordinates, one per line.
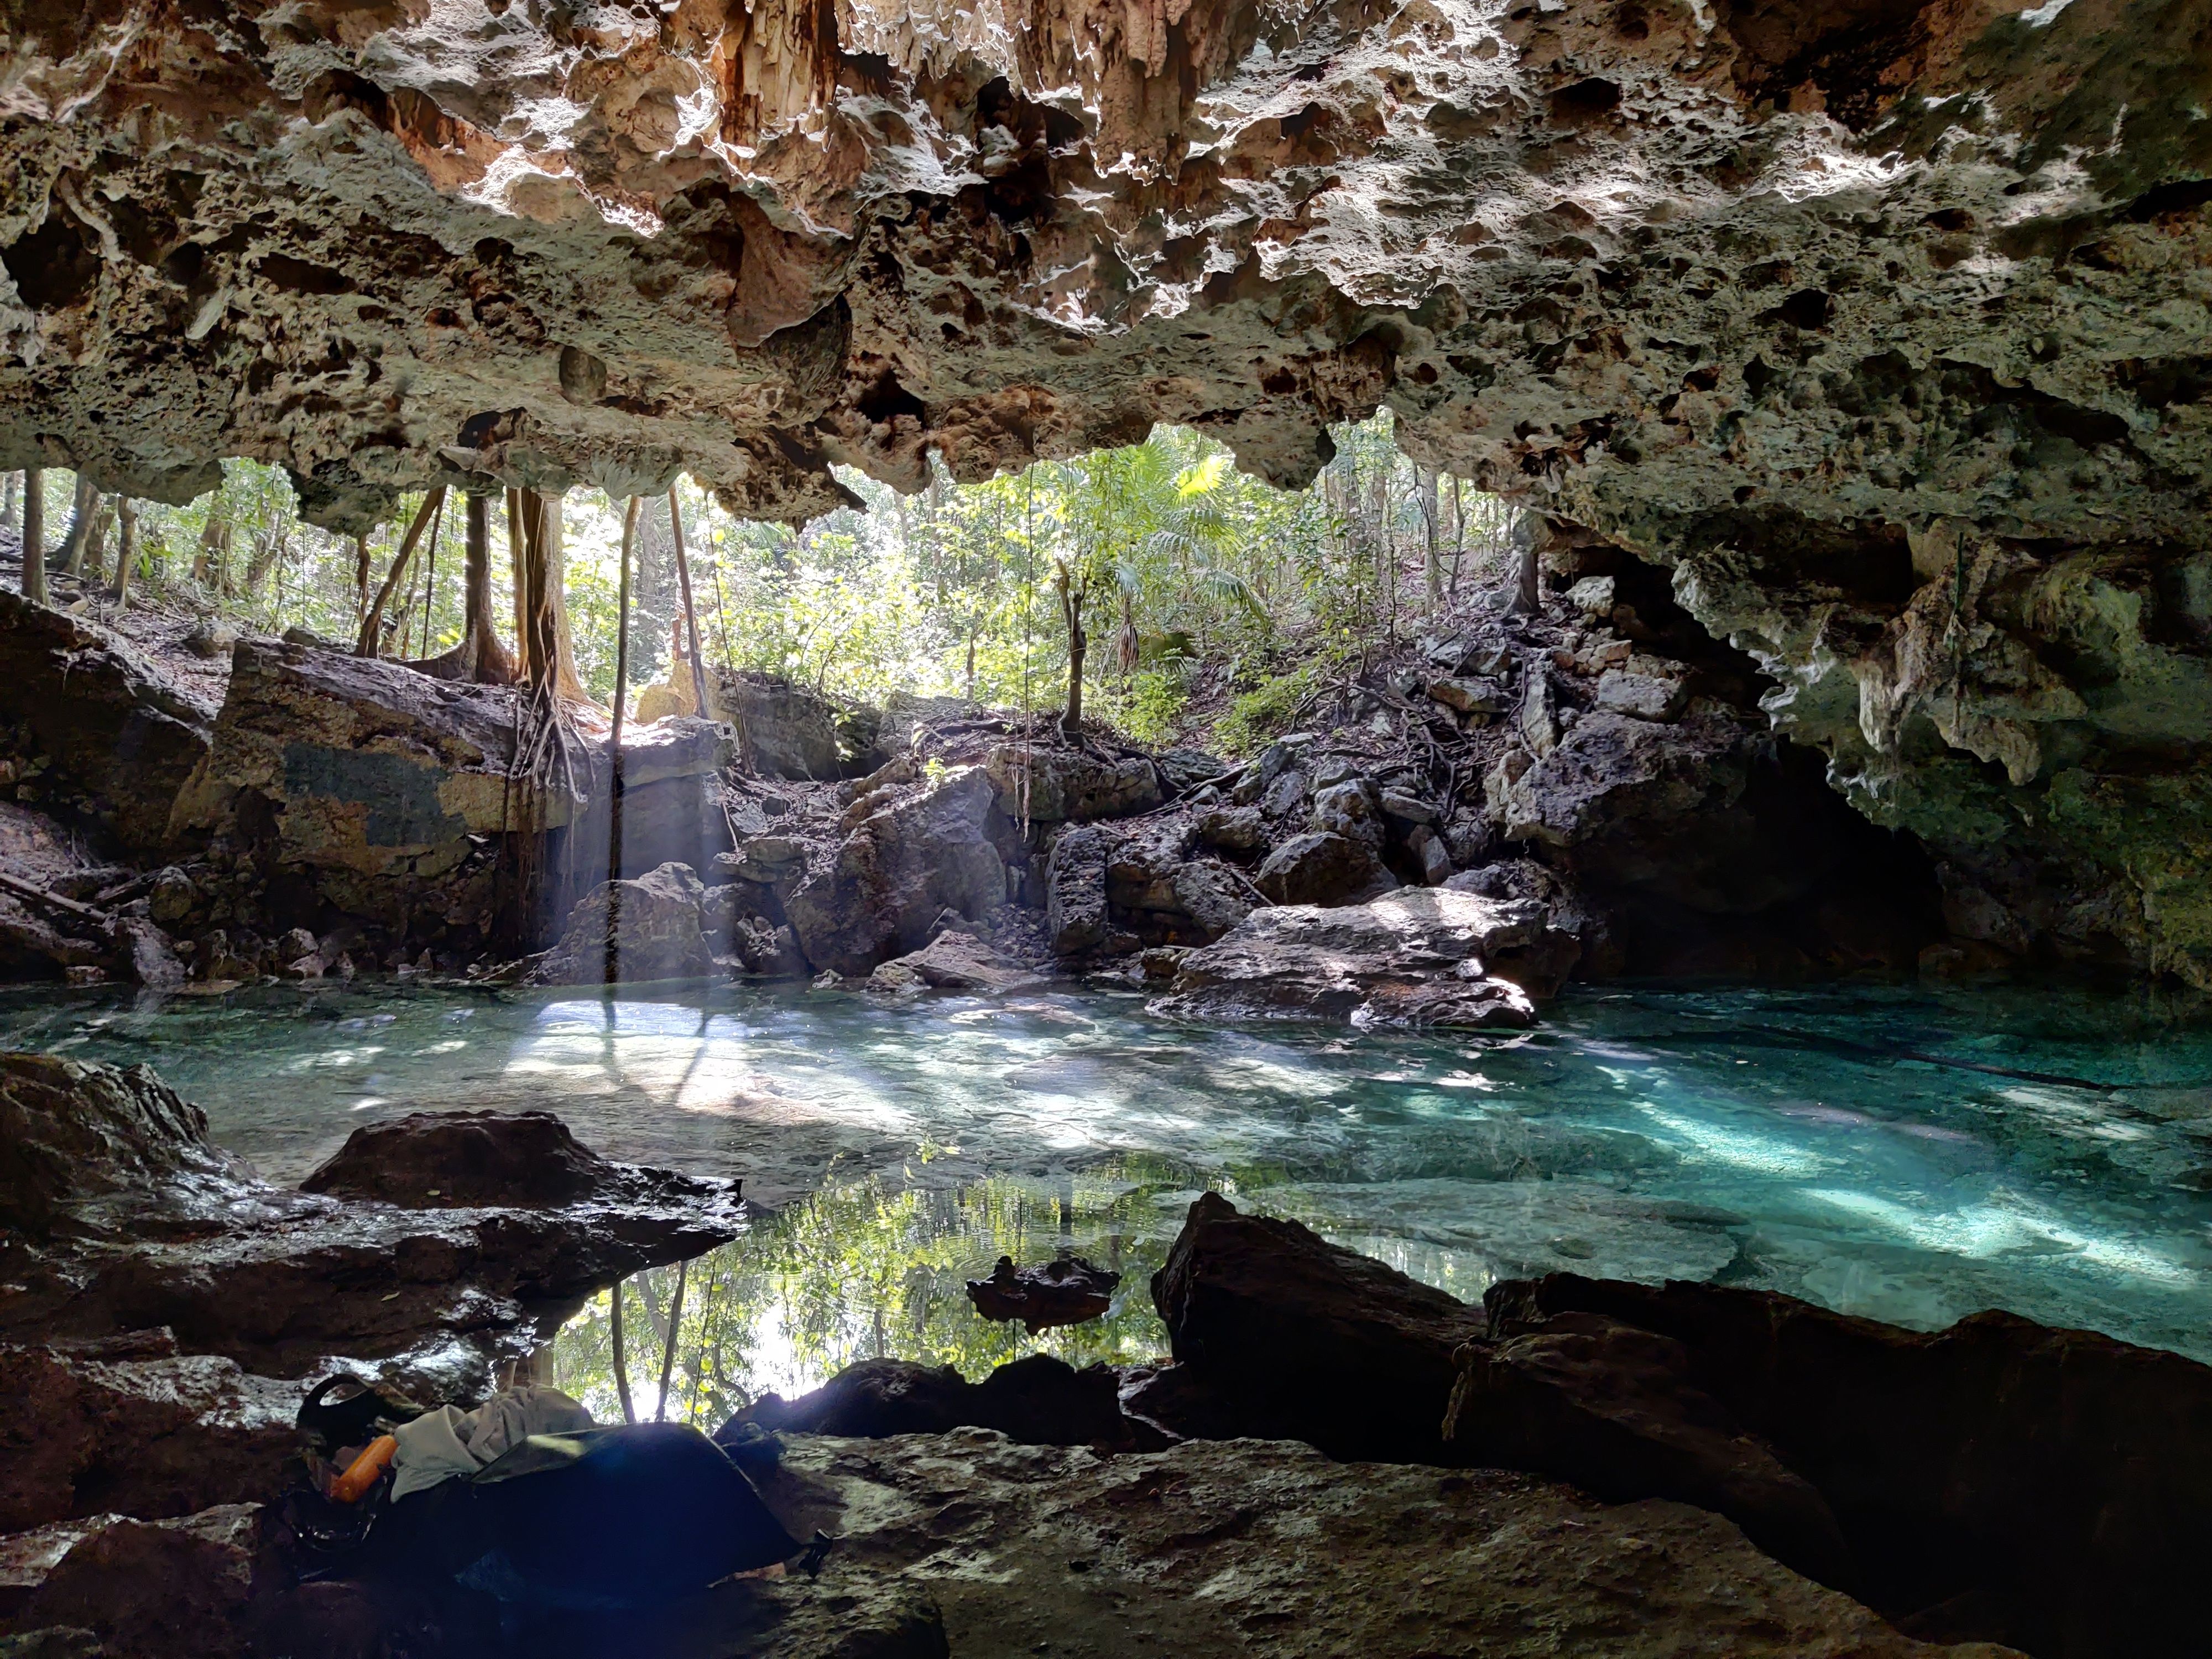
(1329, 1455)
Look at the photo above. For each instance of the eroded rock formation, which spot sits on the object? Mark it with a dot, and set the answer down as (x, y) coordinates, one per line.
(1881, 326)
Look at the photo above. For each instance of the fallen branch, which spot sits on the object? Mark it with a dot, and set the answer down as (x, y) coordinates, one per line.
(31, 893)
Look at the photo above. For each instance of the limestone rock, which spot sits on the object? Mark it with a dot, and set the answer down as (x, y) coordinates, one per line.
(1283, 1331)
(1470, 696)
(168, 1587)
(1075, 890)
(1054, 784)
(1233, 828)
(784, 731)
(1414, 957)
(1322, 867)
(119, 737)
(71, 1133)
(2038, 1484)
(449, 1160)
(901, 867)
(1211, 1548)
(953, 962)
(650, 928)
(133, 1426)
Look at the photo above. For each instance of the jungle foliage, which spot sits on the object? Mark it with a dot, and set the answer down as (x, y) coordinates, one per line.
(1193, 595)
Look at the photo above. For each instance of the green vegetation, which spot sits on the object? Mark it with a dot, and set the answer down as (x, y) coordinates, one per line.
(1182, 581)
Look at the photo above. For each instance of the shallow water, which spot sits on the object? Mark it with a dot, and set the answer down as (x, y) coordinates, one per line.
(1910, 1154)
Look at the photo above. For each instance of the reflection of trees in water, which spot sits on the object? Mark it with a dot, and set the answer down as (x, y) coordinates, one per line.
(864, 1271)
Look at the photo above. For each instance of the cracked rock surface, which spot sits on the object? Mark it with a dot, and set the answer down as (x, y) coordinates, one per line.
(968, 1543)
(1881, 325)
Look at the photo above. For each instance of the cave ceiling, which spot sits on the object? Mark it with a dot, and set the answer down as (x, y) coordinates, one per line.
(1884, 325)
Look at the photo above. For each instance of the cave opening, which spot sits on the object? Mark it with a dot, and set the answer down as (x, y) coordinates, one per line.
(828, 829)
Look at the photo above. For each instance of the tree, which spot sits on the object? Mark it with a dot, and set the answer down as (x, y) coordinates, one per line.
(35, 535)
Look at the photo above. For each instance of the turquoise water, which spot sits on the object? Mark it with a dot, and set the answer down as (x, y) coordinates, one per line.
(1907, 1153)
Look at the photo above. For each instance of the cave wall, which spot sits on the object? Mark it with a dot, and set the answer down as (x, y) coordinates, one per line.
(1881, 328)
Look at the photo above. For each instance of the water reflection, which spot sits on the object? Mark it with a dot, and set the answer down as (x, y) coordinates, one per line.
(1914, 1154)
(865, 1271)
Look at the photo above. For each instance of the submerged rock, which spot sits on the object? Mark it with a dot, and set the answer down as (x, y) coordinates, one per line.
(653, 928)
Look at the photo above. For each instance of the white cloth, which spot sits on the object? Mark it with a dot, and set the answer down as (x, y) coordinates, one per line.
(440, 1444)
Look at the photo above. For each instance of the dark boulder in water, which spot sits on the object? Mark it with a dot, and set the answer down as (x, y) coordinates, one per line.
(448, 1160)
(1040, 1401)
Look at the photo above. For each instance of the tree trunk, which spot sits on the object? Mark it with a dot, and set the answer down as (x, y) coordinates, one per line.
(615, 749)
(1078, 643)
(71, 553)
(690, 618)
(1527, 594)
(268, 549)
(35, 535)
(207, 563)
(1432, 566)
(369, 641)
(126, 551)
(487, 660)
(10, 500)
(548, 652)
(361, 575)
(1459, 534)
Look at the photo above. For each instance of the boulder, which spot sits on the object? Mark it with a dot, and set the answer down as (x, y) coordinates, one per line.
(377, 784)
(1470, 695)
(970, 1544)
(657, 932)
(1232, 829)
(901, 867)
(1999, 1479)
(72, 1134)
(1277, 1331)
(121, 740)
(1053, 785)
(130, 1425)
(953, 962)
(783, 730)
(1323, 867)
(1646, 696)
(1415, 957)
(764, 948)
(1075, 890)
(1613, 1409)
(1157, 894)
(449, 1160)
(1039, 1400)
(163, 1589)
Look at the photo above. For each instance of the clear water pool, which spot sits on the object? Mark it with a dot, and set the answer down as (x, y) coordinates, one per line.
(1909, 1153)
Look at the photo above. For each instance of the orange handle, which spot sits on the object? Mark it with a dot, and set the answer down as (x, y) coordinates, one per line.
(362, 1474)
